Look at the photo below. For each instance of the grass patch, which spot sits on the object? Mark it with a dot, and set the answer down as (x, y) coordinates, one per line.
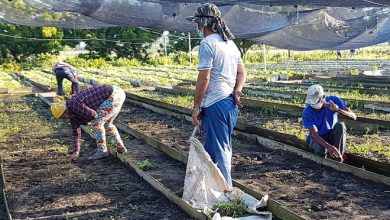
(371, 146)
(233, 208)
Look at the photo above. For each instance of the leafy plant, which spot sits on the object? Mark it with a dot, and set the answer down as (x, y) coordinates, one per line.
(146, 165)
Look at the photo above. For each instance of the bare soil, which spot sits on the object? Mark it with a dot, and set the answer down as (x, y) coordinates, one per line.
(44, 184)
(310, 189)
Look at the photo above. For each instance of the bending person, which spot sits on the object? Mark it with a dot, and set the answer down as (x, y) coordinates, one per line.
(66, 71)
(326, 133)
(98, 106)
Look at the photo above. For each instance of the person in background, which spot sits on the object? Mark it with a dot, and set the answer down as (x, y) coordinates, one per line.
(326, 134)
(98, 106)
(352, 53)
(220, 81)
(63, 71)
(339, 57)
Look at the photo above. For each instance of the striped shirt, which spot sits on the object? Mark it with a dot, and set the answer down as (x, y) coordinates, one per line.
(82, 109)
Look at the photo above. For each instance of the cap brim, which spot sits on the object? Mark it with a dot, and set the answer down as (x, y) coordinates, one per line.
(193, 19)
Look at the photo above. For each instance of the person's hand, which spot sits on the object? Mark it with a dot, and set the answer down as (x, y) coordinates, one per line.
(237, 98)
(196, 117)
(333, 107)
(333, 152)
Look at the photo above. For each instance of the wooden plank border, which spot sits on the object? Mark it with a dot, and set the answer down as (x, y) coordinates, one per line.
(4, 190)
(45, 88)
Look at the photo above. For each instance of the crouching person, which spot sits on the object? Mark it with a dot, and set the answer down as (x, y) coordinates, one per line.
(326, 134)
(97, 106)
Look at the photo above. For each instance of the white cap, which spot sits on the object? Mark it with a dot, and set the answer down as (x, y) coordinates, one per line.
(314, 93)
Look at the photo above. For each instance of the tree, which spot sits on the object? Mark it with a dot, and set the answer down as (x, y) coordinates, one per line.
(122, 41)
(19, 42)
(244, 45)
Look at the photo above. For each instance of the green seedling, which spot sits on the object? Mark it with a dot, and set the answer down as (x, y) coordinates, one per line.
(146, 165)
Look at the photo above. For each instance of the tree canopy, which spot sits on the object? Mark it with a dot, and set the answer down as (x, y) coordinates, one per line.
(18, 42)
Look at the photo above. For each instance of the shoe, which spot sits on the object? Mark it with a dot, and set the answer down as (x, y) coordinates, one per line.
(121, 149)
(99, 155)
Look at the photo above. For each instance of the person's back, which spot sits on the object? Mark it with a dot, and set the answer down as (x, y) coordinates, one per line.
(65, 66)
(223, 58)
(66, 71)
(90, 98)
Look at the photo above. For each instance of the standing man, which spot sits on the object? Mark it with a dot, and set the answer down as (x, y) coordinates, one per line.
(220, 81)
(66, 71)
(326, 133)
(98, 106)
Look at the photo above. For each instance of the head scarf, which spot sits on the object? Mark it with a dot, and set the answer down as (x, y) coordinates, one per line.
(209, 16)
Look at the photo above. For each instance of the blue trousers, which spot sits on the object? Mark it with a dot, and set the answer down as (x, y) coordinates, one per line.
(63, 73)
(218, 121)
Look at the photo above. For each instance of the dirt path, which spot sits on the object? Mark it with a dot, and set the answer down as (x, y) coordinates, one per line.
(44, 184)
(310, 189)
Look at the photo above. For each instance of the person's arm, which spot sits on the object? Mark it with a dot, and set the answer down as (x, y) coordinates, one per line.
(206, 56)
(240, 81)
(343, 111)
(76, 136)
(202, 84)
(332, 151)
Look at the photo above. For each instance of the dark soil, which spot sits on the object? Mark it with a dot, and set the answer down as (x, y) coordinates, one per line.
(44, 184)
(307, 188)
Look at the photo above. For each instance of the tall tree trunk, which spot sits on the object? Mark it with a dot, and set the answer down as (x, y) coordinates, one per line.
(15, 56)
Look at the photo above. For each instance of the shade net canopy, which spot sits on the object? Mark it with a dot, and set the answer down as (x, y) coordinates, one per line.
(295, 25)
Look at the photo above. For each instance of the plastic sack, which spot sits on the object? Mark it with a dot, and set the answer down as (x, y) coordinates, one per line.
(205, 186)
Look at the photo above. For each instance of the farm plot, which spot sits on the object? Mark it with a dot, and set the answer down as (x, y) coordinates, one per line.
(44, 81)
(309, 189)
(11, 82)
(291, 92)
(172, 75)
(358, 143)
(148, 75)
(43, 183)
(299, 102)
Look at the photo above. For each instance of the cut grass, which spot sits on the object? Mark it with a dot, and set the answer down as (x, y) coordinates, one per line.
(233, 208)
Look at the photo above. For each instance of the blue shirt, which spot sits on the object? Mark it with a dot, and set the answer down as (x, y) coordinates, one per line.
(324, 120)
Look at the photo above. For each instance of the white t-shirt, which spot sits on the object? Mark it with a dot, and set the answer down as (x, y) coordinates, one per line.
(222, 58)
